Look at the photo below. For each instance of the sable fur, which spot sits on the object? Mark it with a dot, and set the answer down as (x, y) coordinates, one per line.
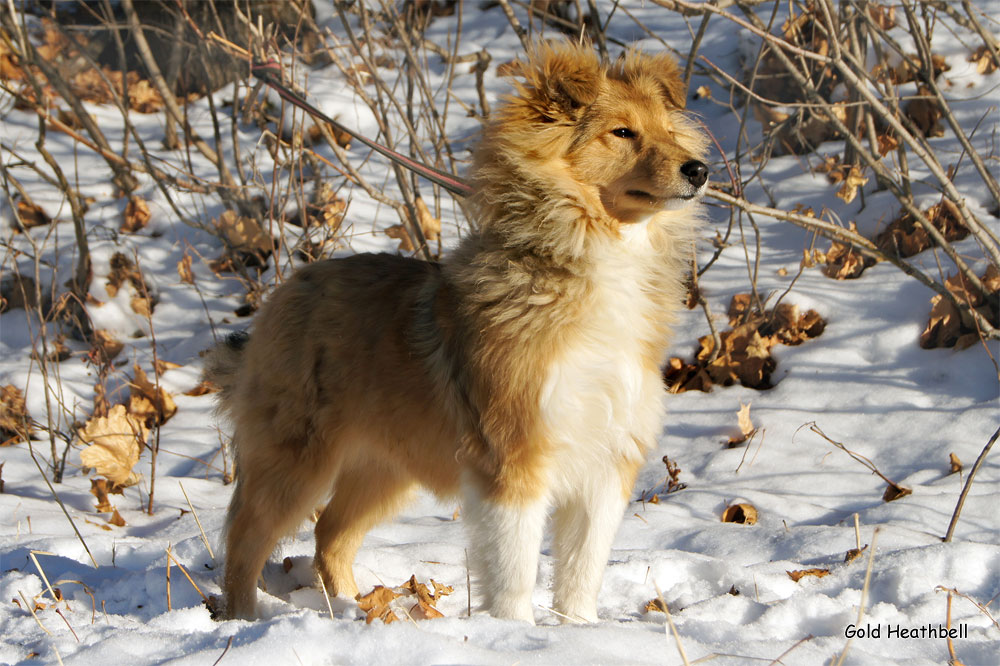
(523, 372)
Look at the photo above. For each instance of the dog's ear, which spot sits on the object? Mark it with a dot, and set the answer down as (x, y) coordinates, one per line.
(558, 81)
(668, 75)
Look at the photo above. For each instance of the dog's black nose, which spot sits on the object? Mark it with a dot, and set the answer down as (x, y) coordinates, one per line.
(696, 172)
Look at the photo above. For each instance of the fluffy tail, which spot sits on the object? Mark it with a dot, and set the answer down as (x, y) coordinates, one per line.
(222, 365)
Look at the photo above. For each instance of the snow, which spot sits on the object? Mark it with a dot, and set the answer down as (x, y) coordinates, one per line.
(864, 382)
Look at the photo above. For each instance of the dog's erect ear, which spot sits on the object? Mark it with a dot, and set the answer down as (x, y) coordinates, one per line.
(668, 75)
(559, 81)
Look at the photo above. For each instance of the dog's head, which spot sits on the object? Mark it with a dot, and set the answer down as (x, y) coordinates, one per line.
(618, 131)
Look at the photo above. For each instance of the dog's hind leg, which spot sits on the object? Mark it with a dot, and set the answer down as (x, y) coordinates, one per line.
(585, 526)
(362, 497)
(274, 493)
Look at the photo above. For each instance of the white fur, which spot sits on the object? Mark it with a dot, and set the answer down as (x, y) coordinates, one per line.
(606, 408)
(505, 544)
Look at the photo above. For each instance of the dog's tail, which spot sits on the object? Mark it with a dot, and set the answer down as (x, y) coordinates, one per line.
(222, 366)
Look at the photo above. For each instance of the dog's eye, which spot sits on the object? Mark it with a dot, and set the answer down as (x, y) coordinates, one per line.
(624, 133)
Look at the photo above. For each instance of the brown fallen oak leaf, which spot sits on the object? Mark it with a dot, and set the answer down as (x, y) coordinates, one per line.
(115, 442)
(376, 605)
(742, 513)
(954, 464)
(802, 573)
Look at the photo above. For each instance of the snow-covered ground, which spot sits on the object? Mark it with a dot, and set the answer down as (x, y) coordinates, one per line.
(865, 383)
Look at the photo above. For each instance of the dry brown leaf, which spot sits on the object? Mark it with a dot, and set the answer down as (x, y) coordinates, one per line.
(743, 419)
(105, 347)
(184, 269)
(884, 16)
(116, 441)
(243, 234)
(739, 305)
(203, 388)
(955, 465)
(15, 423)
(894, 492)
(802, 573)
(925, 113)
(31, 214)
(742, 513)
(852, 181)
(430, 225)
(399, 232)
(376, 605)
(655, 606)
(703, 92)
(985, 64)
(148, 401)
(136, 215)
(116, 519)
(424, 611)
(853, 554)
(943, 326)
(101, 488)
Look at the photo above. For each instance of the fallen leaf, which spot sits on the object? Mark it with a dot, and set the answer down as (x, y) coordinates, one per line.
(985, 63)
(101, 488)
(853, 554)
(655, 606)
(116, 519)
(136, 215)
(115, 442)
(203, 388)
(148, 401)
(853, 181)
(243, 234)
(376, 605)
(105, 347)
(925, 113)
(743, 513)
(802, 573)
(184, 269)
(15, 423)
(894, 492)
(955, 465)
(399, 232)
(424, 611)
(747, 428)
(31, 214)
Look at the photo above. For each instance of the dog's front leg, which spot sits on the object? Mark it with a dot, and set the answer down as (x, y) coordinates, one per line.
(506, 538)
(585, 526)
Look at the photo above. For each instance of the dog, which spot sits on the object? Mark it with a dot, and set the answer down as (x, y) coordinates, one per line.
(523, 373)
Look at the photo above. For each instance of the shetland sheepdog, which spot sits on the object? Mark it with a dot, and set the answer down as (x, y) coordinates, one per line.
(521, 373)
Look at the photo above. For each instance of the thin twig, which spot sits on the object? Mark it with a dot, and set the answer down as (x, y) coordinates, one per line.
(968, 486)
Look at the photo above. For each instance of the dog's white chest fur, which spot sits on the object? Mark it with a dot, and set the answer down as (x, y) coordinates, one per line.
(599, 399)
